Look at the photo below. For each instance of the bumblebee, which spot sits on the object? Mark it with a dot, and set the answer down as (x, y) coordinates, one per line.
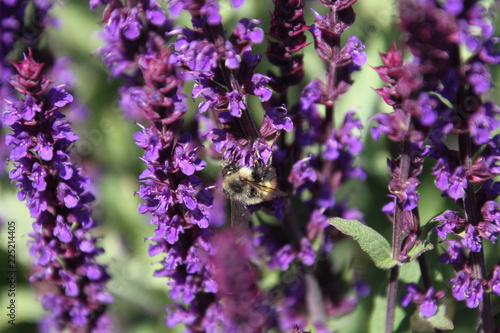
(248, 186)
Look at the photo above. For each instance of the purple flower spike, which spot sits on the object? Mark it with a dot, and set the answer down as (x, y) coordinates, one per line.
(287, 28)
(56, 193)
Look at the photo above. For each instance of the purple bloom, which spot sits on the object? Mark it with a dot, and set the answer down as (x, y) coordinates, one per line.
(411, 291)
(427, 114)
(307, 254)
(302, 172)
(471, 241)
(310, 94)
(406, 192)
(429, 307)
(491, 212)
(483, 122)
(56, 193)
(274, 121)
(478, 77)
(183, 211)
(475, 294)
(353, 51)
(346, 138)
(468, 289)
(427, 301)
(127, 29)
(172, 193)
(389, 207)
(283, 258)
(488, 231)
(457, 183)
(449, 221)
(453, 7)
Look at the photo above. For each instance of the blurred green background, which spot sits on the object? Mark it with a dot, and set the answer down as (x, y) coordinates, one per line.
(108, 153)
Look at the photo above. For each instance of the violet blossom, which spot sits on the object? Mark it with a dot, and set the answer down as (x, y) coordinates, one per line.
(56, 194)
(179, 206)
(409, 125)
(439, 69)
(213, 67)
(132, 31)
(320, 174)
(473, 121)
(427, 302)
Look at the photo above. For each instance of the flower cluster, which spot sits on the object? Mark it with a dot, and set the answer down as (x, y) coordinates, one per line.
(409, 124)
(136, 50)
(17, 28)
(320, 158)
(56, 194)
(424, 90)
(223, 69)
(132, 31)
(322, 174)
(472, 121)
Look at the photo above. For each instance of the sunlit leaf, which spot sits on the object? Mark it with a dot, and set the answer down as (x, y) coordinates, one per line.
(373, 243)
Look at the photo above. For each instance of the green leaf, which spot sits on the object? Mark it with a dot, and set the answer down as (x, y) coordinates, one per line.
(373, 243)
(439, 320)
(419, 248)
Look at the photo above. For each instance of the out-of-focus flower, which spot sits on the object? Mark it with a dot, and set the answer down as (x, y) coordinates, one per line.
(56, 194)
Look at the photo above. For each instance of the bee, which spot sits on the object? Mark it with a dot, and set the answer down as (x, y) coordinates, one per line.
(248, 186)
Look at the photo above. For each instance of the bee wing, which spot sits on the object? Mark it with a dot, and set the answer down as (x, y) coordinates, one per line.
(271, 192)
(240, 217)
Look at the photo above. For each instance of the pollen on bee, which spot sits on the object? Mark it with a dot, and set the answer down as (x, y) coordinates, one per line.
(269, 184)
(245, 172)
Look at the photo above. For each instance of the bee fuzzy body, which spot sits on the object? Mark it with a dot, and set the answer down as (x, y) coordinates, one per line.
(249, 185)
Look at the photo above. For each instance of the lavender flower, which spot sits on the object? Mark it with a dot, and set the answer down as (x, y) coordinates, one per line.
(55, 190)
(457, 176)
(172, 195)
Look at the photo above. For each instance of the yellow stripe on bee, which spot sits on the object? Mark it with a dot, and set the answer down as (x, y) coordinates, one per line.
(268, 184)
